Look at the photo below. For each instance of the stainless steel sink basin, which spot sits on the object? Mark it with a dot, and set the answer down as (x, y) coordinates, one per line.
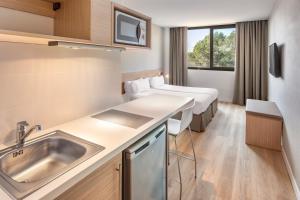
(39, 161)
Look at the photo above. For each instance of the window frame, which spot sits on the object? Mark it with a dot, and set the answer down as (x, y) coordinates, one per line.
(211, 46)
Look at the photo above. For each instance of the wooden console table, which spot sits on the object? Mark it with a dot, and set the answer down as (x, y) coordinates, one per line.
(263, 124)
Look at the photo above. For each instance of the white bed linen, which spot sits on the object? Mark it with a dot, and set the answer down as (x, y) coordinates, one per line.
(210, 91)
(202, 100)
(156, 81)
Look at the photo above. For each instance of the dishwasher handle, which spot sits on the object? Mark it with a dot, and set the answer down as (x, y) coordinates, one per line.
(149, 143)
(142, 148)
(144, 144)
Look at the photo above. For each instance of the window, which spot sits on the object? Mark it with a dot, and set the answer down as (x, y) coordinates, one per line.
(212, 48)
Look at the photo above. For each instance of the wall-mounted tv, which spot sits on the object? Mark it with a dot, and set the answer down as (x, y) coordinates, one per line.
(275, 68)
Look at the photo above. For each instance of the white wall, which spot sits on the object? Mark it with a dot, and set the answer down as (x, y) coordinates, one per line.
(166, 55)
(284, 29)
(51, 85)
(145, 59)
(54, 85)
(223, 81)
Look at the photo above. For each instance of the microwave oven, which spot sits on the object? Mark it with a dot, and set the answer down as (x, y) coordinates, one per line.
(129, 29)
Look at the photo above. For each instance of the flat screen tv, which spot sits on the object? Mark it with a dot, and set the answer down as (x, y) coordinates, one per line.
(275, 68)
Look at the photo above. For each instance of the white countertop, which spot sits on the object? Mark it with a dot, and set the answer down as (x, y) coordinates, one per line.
(265, 108)
(115, 138)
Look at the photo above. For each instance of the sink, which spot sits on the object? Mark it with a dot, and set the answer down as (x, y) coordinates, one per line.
(39, 161)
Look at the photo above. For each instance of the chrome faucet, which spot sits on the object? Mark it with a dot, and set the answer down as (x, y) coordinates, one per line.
(22, 133)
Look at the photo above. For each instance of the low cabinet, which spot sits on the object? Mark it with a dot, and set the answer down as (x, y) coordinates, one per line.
(103, 184)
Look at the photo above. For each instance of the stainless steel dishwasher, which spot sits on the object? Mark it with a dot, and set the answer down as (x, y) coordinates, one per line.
(144, 175)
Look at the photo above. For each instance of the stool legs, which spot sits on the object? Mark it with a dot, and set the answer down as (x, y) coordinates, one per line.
(195, 160)
(177, 156)
(179, 172)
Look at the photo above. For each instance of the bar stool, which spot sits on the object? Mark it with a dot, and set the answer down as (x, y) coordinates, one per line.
(176, 128)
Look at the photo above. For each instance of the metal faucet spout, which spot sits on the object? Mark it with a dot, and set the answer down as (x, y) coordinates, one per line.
(34, 128)
(22, 134)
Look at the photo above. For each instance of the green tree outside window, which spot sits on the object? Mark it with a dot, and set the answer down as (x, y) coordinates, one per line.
(223, 50)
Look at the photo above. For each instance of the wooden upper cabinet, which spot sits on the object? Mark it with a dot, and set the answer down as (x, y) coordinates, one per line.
(101, 21)
(91, 20)
(85, 19)
(73, 19)
(79, 19)
(94, 20)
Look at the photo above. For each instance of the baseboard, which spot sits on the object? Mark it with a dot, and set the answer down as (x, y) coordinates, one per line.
(291, 175)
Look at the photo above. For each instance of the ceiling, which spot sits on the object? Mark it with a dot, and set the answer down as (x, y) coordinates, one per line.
(201, 12)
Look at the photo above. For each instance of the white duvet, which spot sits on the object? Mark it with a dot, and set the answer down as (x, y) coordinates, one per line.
(196, 90)
(202, 100)
(210, 91)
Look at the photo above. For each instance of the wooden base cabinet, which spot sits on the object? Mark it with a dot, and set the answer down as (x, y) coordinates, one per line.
(263, 131)
(263, 124)
(103, 184)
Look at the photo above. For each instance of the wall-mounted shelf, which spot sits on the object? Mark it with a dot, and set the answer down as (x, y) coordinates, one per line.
(49, 40)
(32, 38)
(80, 45)
(39, 7)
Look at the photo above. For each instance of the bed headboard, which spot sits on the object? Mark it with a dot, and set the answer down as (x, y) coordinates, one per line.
(136, 75)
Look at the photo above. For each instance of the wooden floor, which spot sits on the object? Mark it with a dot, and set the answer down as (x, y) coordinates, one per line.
(227, 167)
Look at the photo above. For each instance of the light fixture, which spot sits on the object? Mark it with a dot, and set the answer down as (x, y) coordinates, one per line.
(74, 48)
(79, 45)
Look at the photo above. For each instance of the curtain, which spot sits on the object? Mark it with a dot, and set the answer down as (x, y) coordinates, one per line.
(178, 56)
(251, 77)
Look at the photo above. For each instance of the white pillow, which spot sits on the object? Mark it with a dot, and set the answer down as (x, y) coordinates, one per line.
(157, 81)
(142, 84)
(145, 84)
(136, 86)
(127, 87)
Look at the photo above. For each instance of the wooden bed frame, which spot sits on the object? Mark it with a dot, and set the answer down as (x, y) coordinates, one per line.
(200, 121)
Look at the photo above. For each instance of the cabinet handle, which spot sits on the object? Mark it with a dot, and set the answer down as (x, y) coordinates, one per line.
(119, 169)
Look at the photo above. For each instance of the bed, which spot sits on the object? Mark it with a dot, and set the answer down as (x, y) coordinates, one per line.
(206, 99)
(213, 93)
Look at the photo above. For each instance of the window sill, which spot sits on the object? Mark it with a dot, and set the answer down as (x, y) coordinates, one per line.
(230, 69)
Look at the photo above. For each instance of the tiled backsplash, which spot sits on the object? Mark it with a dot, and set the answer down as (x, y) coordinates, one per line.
(50, 85)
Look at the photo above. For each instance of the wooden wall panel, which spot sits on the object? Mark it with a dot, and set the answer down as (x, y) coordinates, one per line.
(73, 19)
(140, 74)
(101, 21)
